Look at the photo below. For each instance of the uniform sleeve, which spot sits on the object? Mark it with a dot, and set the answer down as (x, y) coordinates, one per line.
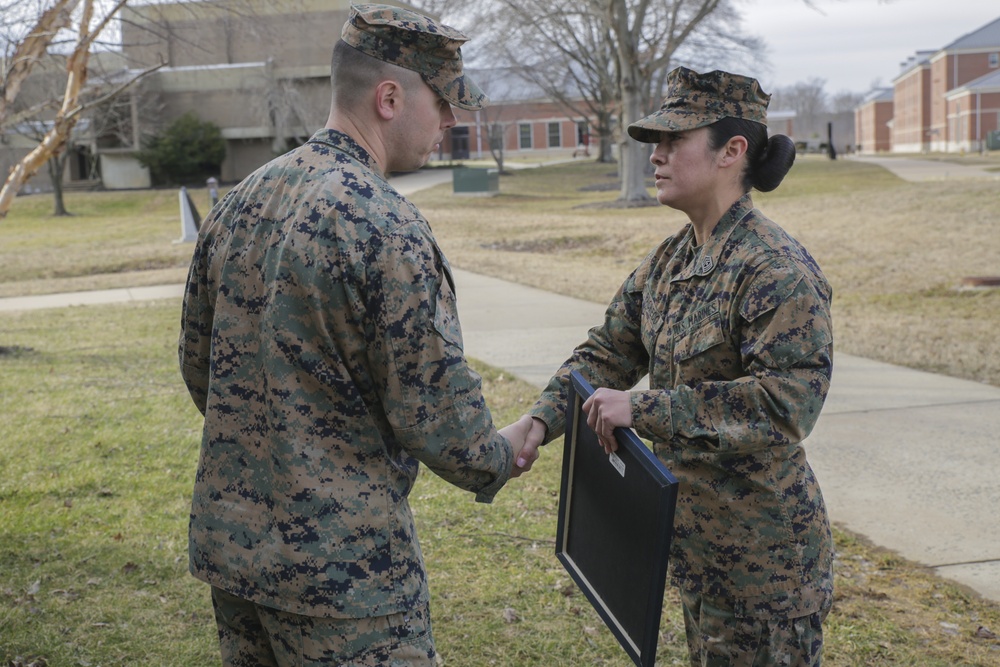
(612, 356)
(432, 399)
(195, 342)
(785, 341)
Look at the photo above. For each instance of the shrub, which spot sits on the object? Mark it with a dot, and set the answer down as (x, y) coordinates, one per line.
(188, 151)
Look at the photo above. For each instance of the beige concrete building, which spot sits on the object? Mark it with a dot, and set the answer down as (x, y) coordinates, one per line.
(259, 69)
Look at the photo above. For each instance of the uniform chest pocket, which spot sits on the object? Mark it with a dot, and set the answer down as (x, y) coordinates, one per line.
(698, 334)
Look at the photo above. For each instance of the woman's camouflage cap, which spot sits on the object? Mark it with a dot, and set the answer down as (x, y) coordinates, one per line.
(418, 43)
(694, 100)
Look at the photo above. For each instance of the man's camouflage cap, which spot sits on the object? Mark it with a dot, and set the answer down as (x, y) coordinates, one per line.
(694, 100)
(417, 43)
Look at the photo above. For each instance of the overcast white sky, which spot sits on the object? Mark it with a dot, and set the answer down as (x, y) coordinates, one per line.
(854, 42)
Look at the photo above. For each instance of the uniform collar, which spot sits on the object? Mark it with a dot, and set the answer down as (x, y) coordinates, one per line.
(344, 143)
(706, 258)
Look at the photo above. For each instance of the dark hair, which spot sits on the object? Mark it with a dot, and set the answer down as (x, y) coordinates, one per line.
(768, 159)
(352, 72)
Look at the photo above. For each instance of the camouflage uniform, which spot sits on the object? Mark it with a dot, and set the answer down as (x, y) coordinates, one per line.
(321, 341)
(736, 338)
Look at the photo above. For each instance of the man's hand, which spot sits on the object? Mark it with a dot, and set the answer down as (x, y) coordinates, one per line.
(525, 435)
(606, 410)
(529, 454)
(516, 434)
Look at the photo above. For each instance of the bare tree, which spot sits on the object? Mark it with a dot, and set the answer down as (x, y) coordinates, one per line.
(502, 85)
(616, 53)
(846, 100)
(807, 98)
(565, 50)
(280, 104)
(84, 20)
(23, 50)
(647, 34)
(106, 119)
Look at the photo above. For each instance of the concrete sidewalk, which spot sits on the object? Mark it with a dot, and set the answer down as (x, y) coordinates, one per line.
(922, 170)
(903, 457)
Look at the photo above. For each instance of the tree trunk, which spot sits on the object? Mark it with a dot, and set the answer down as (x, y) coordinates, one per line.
(57, 167)
(31, 49)
(604, 153)
(495, 136)
(76, 70)
(29, 165)
(605, 138)
(632, 154)
(631, 89)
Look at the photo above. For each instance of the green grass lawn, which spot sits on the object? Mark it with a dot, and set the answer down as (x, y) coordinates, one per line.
(100, 447)
(100, 440)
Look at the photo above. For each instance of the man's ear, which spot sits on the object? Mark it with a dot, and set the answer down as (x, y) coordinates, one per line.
(388, 99)
(735, 148)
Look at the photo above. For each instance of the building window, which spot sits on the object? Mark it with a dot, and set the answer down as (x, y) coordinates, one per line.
(460, 143)
(555, 138)
(995, 60)
(524, 136)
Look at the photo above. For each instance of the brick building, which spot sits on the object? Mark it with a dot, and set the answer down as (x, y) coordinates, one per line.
(520, 120)
(912, 105)
(944, 100)
(973, 114)
(964, 60)
(873, 122)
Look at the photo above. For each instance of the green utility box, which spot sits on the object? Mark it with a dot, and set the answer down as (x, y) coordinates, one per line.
(993, 141)
(475, 181)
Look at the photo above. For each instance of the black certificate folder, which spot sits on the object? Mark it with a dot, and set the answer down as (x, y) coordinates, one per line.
(616, 516)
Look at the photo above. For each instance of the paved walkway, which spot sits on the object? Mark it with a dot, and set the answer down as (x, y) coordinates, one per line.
(917, 170)
(903, 457)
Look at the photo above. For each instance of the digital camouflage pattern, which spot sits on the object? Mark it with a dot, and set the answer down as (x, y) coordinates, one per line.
(320, 339)
(694, 100)
(417, 43)
(717, 638)
(736, 338)
(252, 635)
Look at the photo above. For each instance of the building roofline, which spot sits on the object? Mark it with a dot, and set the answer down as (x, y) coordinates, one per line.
(987, 83)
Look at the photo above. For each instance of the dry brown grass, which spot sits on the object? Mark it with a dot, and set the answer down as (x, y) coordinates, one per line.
(895, 252)
(113, 239)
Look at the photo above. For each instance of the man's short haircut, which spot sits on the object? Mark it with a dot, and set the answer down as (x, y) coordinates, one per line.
(353, 73)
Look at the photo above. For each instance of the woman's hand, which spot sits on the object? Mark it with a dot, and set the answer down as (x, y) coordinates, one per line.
(606, 410)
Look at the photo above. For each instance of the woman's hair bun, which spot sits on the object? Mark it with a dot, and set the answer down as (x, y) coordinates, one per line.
(774, 164)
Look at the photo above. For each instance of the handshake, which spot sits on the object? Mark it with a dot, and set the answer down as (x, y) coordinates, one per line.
(525, 436)
(606, 410)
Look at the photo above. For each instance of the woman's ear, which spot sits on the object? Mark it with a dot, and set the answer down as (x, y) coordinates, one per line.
(734, 149)
(388, 99)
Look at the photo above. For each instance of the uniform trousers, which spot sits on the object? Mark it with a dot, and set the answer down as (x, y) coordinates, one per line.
(717, 637)
(252, 635)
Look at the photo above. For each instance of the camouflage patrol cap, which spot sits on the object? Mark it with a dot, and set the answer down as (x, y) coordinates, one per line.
(418, 43)
(694, 100)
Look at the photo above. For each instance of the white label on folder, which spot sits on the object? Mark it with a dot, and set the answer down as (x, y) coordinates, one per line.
(617, 463)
